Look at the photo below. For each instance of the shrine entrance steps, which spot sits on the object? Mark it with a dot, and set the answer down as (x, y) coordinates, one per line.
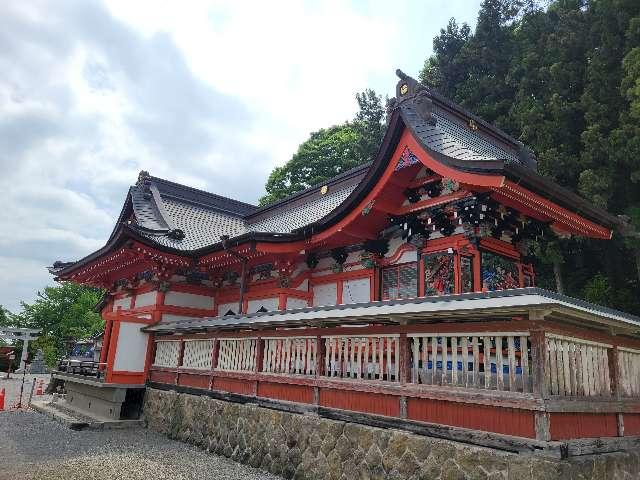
(76, 420)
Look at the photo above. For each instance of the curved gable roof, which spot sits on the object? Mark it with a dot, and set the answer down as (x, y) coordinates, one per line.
(188, 221)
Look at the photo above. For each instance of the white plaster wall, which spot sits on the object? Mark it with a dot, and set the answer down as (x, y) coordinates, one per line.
(326, 294)
(304, 285)
(293, 303)
(271, 304)
(131, 351)
(356, 291)
(124, 302)
(225, 307)
(191, 300)
(146, 299)
(170, 318)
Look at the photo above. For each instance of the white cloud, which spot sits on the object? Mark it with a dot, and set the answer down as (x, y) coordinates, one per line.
(200, 93)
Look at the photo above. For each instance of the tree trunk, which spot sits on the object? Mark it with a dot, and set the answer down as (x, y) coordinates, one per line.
(557, 272)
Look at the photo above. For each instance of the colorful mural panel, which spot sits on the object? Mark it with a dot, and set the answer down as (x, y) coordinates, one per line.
(498, 273)
(439, 274)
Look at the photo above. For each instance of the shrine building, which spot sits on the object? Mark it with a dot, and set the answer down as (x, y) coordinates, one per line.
(400, 291)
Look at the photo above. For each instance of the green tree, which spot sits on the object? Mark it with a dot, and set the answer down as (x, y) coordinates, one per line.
(64, 312)
(565, 80)
(5, 321)
(330, 151)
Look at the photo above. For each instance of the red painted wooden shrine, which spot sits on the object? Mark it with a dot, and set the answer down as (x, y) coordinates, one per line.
(402, 289)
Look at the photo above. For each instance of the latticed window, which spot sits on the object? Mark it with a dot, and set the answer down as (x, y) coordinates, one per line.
(439, 276)
(400, 281)
(197, 354)
(167, 353)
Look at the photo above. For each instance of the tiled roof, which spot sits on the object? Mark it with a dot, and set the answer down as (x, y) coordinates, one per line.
(185, 218)
(287, 220)
(201, 226)
(201, 218)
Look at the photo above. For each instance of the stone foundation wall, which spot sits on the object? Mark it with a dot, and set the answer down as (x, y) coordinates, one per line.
(309, 447)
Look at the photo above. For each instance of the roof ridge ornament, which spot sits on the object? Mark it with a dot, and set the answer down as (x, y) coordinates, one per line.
(409, 89)
(143, 177)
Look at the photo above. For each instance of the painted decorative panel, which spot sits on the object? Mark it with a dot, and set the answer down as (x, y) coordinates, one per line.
(439, 274)
(400, 281)
(498, 273)
(356, 291)
(325, 294)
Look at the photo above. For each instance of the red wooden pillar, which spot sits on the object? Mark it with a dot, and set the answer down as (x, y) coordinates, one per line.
(477, 274)
(457, 273)
(339, 286)
(105, 341)
(282, 301)
(113, 345)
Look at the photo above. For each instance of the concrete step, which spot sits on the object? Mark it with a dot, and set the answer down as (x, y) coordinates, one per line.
(78, 420)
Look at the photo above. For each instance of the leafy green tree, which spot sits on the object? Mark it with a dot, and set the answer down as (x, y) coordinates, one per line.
(565, 80)
(330, 151)
(64, 312)
(5, 321)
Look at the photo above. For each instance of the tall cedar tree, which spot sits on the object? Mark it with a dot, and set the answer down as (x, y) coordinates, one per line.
(566, 81)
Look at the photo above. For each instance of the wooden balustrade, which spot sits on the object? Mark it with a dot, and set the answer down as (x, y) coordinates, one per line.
(167, 353)
(498, 361)
(290, 355)
(490, 361)
(197, 354)
(237, 354)
(629, 368)
(577, 367)
(369, 357)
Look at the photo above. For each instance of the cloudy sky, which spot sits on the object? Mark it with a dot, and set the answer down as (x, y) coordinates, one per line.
(213, 94)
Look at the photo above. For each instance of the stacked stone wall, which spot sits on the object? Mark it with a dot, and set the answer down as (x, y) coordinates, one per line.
(304, 446)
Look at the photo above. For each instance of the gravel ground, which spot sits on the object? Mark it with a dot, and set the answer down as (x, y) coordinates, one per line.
(12, 388)
(33, 446)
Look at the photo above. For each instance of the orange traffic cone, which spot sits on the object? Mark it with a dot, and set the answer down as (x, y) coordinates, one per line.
(1, 399)
(39, 389)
